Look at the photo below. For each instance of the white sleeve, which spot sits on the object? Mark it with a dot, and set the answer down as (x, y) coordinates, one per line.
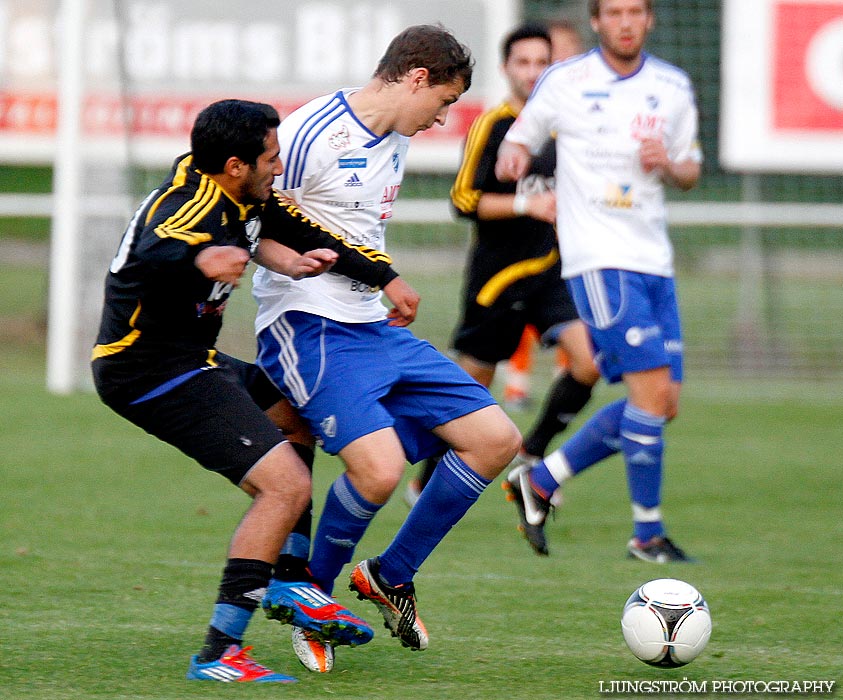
(536, 123)
(685, 145)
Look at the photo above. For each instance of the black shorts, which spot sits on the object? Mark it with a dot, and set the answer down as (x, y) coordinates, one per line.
(491, 333)
(216, 417)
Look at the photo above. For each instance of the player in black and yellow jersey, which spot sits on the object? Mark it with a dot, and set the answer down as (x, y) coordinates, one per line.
(155, 362)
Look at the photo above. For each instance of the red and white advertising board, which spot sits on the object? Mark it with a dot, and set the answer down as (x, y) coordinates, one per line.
(149, 66)
(782, 86)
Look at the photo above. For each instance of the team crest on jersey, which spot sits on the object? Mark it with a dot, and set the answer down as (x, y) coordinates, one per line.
(340, 139)
(396, 161)
(253, 229)
(652, 101)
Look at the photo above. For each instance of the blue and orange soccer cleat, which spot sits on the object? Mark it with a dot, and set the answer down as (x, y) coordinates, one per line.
(307, 606)
(234, 666)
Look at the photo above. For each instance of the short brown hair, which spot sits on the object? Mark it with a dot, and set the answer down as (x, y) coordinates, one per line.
(428, 46)
(594, 7)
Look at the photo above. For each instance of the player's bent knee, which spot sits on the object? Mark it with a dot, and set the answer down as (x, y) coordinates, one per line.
(584, 371)
(377, 481)
(280, 475)
(513, 446)
(501, 439)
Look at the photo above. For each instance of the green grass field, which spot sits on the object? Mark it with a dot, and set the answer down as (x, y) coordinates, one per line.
(112, 545)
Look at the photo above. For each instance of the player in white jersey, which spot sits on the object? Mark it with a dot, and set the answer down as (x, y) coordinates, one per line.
(369, 389)
(340, 173)
(626, 126)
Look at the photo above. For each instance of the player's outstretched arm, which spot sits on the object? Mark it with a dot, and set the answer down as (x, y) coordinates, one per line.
(286, 224)
(280, 258)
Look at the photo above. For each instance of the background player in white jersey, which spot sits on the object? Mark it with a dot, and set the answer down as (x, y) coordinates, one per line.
(513, 277)
(565, 41)
(370, 390)
(626, 126)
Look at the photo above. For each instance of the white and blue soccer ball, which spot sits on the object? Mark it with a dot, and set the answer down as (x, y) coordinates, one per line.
(666, 623)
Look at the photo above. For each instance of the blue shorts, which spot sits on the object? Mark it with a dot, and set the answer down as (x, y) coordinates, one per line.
(348, 380)
(633, 319)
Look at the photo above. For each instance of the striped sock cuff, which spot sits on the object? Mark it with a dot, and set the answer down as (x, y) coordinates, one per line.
(462, 477)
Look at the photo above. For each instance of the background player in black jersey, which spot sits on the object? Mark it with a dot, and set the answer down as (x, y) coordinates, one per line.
(155, 362)
(514, 277)
(565, 41)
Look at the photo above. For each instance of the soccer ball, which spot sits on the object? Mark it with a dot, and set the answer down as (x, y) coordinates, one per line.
(666, 623)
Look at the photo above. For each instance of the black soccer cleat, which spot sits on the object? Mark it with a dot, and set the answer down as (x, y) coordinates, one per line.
(532, 508)
(397, 604)
(657, 550)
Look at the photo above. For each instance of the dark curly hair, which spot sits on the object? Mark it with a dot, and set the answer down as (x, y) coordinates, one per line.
(231, 128)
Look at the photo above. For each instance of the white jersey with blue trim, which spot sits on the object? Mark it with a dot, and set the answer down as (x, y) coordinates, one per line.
(345, 178)
(610, 213)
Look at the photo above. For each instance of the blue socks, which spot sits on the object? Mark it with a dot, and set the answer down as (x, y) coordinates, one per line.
(242, 585)
(643, 449)
(451, 491)
(619, 426)
(231, 620)
(341, 527)
(598, 438)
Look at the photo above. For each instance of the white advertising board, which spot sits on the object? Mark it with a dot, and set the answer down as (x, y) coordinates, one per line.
(149, 66)
(782, 86)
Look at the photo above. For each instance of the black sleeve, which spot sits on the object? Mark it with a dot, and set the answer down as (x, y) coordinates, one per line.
(286, 224)
(476, 175)
(165, 241)
(485, 178)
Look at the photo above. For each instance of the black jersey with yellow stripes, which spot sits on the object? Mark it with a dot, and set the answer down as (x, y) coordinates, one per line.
(503, 240)
(161, 315)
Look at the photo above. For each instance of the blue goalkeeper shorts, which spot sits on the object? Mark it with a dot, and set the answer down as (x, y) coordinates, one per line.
(348, 380)
(633, 319)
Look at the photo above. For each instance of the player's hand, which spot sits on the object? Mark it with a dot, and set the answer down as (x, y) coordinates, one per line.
(405, 302)
(222, 263)
(286, 261)
(542, 206)
(653, 156)
(513, 161)
(312, 263)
